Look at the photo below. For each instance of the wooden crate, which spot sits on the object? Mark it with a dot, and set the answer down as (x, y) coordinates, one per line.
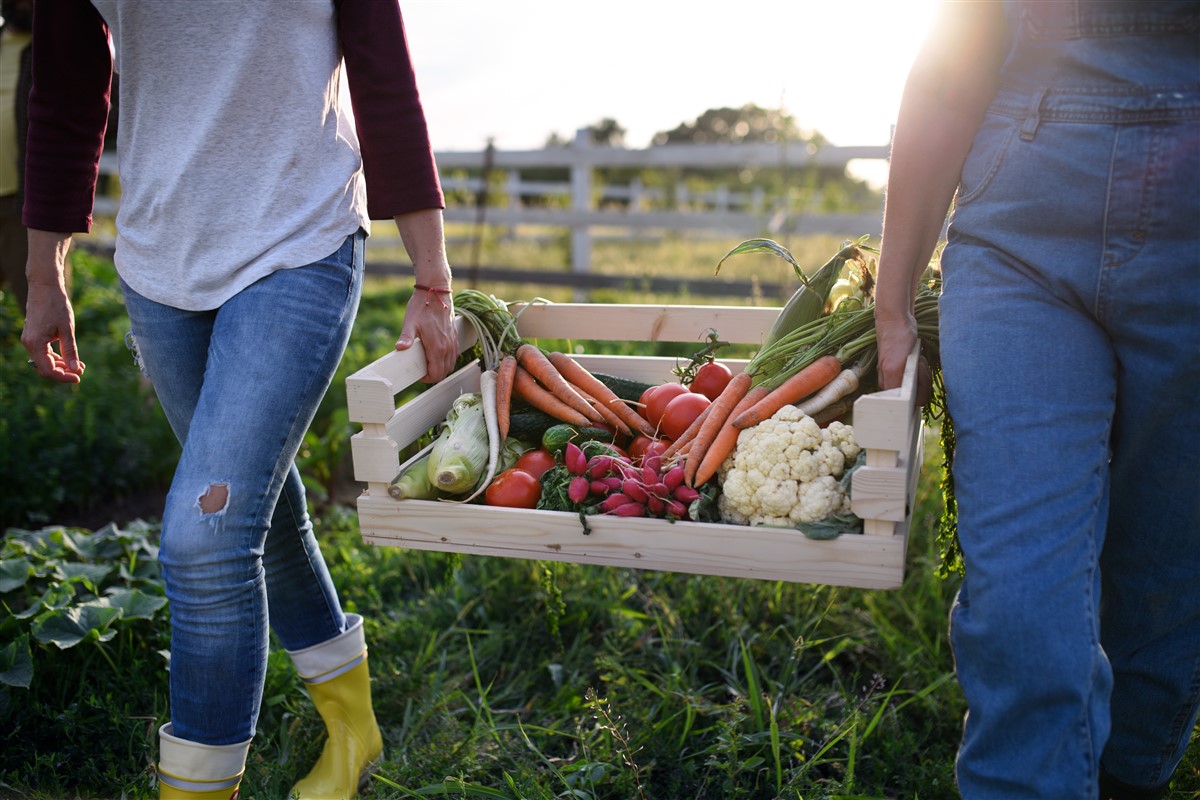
(888, 424)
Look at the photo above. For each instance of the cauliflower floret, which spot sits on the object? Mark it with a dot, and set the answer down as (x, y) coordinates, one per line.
(817, 500)
(841, 436)
(785, 471)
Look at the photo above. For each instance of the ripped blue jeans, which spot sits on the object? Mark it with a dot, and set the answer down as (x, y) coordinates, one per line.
(240, 385)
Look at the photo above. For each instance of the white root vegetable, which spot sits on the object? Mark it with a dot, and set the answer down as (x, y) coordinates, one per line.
(487, 390)
(845, 384)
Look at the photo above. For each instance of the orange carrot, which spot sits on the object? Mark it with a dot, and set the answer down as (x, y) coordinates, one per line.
(538, 396)
(688, 435)
(725, 440)
(794, 389)
(505, 372)
(609, 415)
(718, 411)
(537, 364)
(579, 375)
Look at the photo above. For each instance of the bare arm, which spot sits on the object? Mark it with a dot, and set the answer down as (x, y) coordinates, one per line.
(949, 88)
(49, 319)
(430, 312)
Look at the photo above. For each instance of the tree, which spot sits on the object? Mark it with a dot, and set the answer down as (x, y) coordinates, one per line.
(750, 123)
(606, 132)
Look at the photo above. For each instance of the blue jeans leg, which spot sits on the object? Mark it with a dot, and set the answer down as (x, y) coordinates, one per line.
(240, 385)
(1071, 348)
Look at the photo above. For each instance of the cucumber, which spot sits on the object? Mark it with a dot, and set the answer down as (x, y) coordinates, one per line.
(624, 388)
(528, 424)
(555, 439)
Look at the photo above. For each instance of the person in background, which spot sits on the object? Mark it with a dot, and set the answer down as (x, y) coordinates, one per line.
(1067, 135)
(16, 35)
(248, 188)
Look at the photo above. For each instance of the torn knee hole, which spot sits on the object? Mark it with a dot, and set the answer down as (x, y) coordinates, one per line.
(215, 499)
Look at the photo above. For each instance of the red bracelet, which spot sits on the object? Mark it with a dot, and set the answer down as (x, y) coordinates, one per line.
(433, 291)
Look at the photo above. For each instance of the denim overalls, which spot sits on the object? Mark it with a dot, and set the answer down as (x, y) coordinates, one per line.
(1070, 332)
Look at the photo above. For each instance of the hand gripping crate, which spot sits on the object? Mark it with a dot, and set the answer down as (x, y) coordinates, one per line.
(887, 424)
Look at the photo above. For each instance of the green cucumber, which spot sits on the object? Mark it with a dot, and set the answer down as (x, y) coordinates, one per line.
(528, 424)
(624, 388)
(555, 439)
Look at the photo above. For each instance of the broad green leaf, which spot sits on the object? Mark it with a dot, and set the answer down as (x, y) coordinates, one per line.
(16, 663)
(14, 572)
(134, 603)
(92, 574)
(106, 543)
(55, 597)
(68, 627)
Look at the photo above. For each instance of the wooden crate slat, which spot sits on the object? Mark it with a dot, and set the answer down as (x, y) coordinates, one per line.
(709, 549)
(645, 323)
(371, 391)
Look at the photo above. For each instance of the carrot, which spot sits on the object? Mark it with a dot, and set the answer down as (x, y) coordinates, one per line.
(579, 375)
(538, 396)
(688, 435)
(725, 440)
(797, 387)
(505, 372)
(609, 415)
(537, 364)
(718, 411)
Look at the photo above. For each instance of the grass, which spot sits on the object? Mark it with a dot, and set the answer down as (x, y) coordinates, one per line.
(498, 678)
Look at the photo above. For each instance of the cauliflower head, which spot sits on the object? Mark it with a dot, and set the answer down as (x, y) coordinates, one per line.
(784, 471)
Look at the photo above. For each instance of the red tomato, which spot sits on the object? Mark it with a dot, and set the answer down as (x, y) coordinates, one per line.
(710, 379)
(535, 462)
(638, 447)
(656, 403)
(656, 448)
(514, 488)
(681, 412)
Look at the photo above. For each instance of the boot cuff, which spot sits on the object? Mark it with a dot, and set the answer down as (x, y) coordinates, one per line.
(326, 660)
(196, 767)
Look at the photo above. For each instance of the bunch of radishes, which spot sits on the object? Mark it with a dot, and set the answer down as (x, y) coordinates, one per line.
(613, 484)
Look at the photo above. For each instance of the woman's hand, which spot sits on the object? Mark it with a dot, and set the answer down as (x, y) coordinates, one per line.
(49, 318)
(429, 315)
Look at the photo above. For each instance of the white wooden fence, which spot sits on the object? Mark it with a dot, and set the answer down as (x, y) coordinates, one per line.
(584, 206)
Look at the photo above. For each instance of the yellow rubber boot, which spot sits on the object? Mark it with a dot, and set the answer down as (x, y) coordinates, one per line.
(192, 771)
(335, 674)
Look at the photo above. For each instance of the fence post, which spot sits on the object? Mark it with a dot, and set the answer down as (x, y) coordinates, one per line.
(581, 201)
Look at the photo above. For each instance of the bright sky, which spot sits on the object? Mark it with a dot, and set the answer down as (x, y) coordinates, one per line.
(522, 69)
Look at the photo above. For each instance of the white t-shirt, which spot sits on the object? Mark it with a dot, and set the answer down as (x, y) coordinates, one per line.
(238, 150)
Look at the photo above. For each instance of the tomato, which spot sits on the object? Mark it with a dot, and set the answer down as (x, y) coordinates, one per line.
(514, 488)
(535, 462)
(681, 412)
(656, 403)
(656, 448)
(638, 446)
(710, 379)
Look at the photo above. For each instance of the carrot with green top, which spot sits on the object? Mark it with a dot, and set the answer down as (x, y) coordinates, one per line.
(541, 398)
(537, 364)
(718, 412)
(723, 443)
(579, 375)
(610, 416)
(505, 373)
(797, 387)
